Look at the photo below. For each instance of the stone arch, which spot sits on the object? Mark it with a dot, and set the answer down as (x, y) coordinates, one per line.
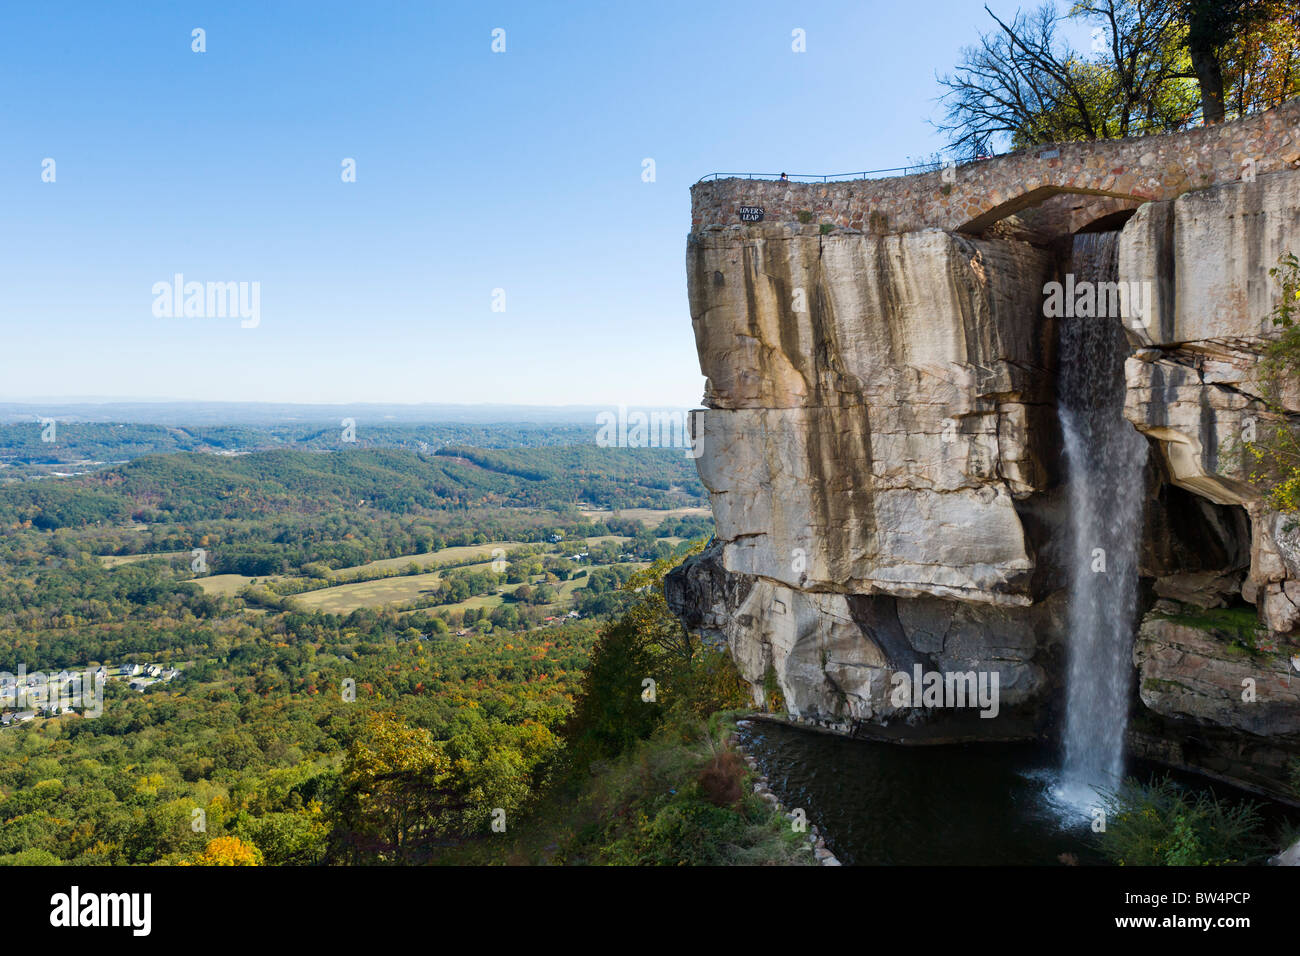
(1108, 221)
(1063, 216)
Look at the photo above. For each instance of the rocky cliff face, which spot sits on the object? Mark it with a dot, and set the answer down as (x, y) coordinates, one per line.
(1194, 380)
(881, 409)
(881, 447)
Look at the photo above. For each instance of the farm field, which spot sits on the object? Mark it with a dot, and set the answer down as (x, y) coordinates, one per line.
(486, 601)
(566, 589)
(228, 585)
(349, 596)
(117, 560)
(444, 556)
(466, 552)
(599, 539)
(650, 517)
(565, 592)
(346, 598)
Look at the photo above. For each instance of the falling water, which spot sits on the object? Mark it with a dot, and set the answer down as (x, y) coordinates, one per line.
(1104, 460)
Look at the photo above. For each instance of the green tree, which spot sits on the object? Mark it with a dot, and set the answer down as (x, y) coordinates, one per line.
(612, 710)
(1275, 451)
(650, 615)
(395, 792)
(1022, 82)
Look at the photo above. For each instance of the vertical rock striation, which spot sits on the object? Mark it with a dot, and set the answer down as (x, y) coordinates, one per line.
(880, 413)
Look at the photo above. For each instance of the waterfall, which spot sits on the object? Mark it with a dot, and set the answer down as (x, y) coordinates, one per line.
(1104, 461)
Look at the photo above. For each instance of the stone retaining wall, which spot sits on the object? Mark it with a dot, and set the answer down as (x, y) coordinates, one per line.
(816, 839)
(970, 198)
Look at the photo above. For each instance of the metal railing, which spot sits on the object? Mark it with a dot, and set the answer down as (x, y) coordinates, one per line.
(829, 177)
(1191, 121)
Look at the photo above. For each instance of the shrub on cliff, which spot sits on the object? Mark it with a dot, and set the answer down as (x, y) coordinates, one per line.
(617, 708)
(619, 705)
(1162, 824)
(610, 714)
(722, 781)
(670, 803)
(1275, 451)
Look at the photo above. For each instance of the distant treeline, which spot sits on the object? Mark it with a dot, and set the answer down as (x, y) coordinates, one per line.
(190, 487)
(27, 444)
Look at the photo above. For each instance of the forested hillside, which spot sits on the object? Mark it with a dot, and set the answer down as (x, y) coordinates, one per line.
(189, 487)
(279, 630)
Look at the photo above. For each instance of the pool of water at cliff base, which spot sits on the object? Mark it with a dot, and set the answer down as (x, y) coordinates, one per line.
(957, 805)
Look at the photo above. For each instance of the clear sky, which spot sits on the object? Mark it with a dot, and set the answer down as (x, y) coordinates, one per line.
(475, 171)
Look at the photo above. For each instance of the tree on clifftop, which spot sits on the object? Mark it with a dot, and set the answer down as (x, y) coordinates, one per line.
(1022, 82)
(1248, 47)
(1152, 63)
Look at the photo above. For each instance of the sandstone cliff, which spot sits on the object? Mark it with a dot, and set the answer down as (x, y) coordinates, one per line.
(881, 446)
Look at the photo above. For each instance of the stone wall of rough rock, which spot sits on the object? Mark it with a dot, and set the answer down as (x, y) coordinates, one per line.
(879, 448)
(971, 197)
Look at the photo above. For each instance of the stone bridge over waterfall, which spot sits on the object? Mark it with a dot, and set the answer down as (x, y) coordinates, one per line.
(1111, 175)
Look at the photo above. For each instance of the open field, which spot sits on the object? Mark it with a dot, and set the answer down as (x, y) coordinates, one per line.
(226, 585)
(487, 601)
(564, 590)
(649, 517)
(445, 556)
(617, 539)
(116, 560)
(600, 539)
(346, 598)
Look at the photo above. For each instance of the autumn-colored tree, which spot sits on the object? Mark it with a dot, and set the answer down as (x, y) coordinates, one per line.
(1151, 65)
(1261, 59)
(229, 851)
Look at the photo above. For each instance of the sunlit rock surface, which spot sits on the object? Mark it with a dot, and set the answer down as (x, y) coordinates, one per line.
(1194, 382)
(877, 406)
(883, 455)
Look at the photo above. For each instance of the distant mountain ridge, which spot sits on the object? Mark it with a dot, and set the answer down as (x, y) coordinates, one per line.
(278, 413)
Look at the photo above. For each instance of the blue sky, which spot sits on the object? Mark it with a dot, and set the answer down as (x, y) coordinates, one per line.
(476, 171)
